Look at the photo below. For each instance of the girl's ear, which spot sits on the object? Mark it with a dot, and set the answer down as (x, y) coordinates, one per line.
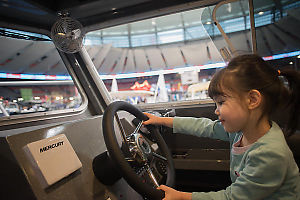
(254, 99)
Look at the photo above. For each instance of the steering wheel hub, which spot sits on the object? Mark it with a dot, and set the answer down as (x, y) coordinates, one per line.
(140, 149)
(143, 145)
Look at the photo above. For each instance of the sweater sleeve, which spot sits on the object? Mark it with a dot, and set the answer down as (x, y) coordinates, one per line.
(201, 127)
(264, 173)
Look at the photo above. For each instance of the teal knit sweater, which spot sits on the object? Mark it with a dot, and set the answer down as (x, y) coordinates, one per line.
(266, 170)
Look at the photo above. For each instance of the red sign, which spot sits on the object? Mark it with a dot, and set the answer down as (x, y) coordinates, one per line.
(143, 86)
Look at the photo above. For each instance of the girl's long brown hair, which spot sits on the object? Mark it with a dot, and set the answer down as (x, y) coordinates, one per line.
(247, 72)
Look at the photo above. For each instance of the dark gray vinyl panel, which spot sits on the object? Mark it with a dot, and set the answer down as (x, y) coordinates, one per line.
(86, 139)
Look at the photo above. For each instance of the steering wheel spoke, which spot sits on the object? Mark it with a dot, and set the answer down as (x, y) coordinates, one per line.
(131, 160)
(159, 156)
(151, 176)
(146, 173)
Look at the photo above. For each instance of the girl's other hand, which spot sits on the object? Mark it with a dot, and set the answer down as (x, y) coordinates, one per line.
(171, 194)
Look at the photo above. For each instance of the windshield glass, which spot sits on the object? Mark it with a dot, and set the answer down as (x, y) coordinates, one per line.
(277, 32)
(168, 58)
(33, 78)
(172, 58)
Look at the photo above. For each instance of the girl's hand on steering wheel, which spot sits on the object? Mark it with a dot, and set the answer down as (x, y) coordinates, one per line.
(154, 120)
(171, 194)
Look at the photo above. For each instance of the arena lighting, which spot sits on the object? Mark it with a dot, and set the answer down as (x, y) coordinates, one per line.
(140, 74)
(283, 55)
(261, 12)
(35, 76)
(168, 71)
(117, 76)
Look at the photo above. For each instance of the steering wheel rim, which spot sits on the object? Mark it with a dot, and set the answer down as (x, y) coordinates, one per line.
(118, 158)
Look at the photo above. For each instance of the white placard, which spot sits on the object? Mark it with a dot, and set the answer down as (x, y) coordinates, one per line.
(53, 159)
(189, 77)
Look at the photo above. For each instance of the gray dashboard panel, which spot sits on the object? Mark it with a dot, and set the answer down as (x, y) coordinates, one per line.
(86, 139)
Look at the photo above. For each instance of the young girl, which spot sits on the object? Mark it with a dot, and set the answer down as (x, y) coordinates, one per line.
(261, 164)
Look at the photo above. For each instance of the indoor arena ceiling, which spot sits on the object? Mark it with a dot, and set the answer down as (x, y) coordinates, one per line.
(37, 57)
(93, 14)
